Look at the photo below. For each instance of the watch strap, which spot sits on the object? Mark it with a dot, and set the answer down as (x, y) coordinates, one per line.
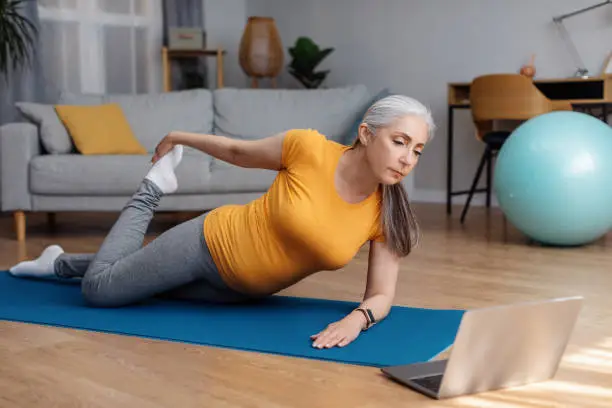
(369, 316)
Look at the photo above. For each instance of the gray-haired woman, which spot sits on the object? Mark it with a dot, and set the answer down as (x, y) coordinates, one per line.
(325, 203)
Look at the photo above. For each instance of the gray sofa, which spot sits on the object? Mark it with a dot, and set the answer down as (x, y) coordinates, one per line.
(41, 171)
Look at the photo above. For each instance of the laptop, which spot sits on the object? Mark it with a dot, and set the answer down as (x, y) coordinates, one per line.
(497, 347)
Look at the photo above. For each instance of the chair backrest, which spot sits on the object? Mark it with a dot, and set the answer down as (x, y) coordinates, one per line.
(505, 97)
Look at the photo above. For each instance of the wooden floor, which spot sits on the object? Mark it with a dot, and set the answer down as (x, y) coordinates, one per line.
(482, 263)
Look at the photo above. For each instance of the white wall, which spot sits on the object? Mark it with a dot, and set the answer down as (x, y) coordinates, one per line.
(224, 22)
(417, 46)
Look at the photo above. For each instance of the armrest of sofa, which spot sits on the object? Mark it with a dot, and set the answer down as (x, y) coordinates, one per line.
(19, 142)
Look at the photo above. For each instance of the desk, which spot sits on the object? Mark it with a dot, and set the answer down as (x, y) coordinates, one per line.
(586, 94)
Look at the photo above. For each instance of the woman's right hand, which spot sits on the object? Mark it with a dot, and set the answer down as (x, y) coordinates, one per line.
(163, 147)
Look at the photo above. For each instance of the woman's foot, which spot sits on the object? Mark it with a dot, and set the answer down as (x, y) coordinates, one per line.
(41, 267)
(162, 172)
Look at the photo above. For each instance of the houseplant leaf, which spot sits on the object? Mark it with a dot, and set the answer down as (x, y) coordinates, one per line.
(17, 36)
(306, 56)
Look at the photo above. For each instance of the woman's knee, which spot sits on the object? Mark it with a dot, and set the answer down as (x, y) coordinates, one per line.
(98, 294)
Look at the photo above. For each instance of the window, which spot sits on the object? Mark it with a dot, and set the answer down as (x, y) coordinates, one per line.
(102, 46)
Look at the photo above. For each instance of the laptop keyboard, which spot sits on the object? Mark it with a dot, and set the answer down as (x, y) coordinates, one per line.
(432, 382)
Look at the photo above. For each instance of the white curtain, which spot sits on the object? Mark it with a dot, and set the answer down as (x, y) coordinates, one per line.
(102, 46)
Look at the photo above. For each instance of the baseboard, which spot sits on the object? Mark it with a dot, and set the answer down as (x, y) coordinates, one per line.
(423, 195)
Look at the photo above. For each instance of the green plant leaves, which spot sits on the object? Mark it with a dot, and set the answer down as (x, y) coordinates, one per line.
(17, 36)
(307, 56)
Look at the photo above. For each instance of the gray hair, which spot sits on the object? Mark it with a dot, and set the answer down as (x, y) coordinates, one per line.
(385, 110)
(399, 223)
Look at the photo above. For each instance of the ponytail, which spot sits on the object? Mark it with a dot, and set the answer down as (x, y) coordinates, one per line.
(398, 221)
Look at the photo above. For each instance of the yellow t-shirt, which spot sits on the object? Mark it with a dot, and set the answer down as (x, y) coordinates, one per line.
(300, 226)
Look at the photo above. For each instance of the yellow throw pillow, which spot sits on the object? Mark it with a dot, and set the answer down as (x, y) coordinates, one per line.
(99, 129)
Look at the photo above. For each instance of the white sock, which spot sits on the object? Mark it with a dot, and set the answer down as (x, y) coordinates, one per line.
(162, 172)
(41, 266)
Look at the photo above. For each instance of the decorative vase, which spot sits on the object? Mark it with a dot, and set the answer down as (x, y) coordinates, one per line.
(261, 50)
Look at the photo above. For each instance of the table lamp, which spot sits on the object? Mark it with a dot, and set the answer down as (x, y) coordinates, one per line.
(581, 69)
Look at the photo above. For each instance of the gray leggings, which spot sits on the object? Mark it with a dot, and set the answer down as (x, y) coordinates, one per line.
(176, 264)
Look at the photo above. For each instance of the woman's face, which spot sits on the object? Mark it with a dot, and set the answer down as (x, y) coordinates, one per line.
(394, 151)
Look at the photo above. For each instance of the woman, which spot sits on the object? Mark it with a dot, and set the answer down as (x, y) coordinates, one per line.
(325, 203)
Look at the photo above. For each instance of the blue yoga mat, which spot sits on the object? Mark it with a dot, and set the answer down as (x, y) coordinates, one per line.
(279, 325)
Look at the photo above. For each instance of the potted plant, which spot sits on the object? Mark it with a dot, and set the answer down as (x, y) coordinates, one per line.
(17, 36)
(306, 55)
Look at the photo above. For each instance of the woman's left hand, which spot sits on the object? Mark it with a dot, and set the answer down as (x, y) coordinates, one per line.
(163, 147)
(339, 333)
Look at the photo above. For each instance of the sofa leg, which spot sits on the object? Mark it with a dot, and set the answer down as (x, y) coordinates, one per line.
(20, 225)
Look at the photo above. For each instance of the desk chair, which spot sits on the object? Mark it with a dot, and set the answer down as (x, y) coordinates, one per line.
(511, 97)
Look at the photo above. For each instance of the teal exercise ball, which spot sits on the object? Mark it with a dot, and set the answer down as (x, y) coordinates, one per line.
(553, 178)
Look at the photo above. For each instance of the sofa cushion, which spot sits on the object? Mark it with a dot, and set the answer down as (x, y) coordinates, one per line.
(99, 129)
(152, 116)
(257, 113)
(75, 174)
(53, 134)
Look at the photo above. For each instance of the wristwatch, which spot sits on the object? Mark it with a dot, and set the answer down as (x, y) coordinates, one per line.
(369, 317)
